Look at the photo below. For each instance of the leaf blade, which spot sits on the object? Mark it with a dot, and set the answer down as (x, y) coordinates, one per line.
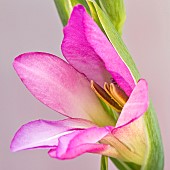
(64, 9)
(116, 11)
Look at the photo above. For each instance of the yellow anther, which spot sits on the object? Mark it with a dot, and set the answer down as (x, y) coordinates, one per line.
(119, 95)
(102, 94)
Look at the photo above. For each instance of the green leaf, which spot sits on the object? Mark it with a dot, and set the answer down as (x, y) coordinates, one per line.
(94, 14)
(64, 8)
(154, 159)
(154, 155)
(124, 165)
(104, 163)
(116, 11)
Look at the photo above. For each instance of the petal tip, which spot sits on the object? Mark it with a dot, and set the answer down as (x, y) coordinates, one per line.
(79, 7)
(12, 147)
(137, 104)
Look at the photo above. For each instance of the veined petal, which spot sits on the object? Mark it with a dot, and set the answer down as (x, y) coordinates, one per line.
(133, 136)
(59, 86)
(129, 141)
(136, 105)
(79, 142)
(45, 134)
(90, 52)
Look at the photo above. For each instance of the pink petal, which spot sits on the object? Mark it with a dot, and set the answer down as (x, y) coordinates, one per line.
(79, 142)
(90, 52)
(136, 105)
(133, 136)
(45, 134)
(58, 85)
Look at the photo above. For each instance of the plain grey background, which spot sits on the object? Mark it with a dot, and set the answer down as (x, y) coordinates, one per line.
(35, 26)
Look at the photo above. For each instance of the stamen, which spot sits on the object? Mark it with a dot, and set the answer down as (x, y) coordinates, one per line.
(112, 94)
(104, 96)
(116, 93)
(107, 89)
(119, 95)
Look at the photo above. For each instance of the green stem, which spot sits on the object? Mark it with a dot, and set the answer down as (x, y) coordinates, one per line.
(104, 163)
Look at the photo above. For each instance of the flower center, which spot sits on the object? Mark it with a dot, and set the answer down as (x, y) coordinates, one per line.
(111, 94)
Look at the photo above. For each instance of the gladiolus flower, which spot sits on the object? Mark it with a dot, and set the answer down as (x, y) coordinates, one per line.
(94, 74)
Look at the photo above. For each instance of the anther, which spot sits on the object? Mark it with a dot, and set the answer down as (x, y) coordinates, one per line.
(105, 97)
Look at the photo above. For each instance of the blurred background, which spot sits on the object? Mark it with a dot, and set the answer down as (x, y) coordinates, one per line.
(35, 26)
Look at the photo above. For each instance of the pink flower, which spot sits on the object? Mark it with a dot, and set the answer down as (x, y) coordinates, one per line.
(73, 89)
